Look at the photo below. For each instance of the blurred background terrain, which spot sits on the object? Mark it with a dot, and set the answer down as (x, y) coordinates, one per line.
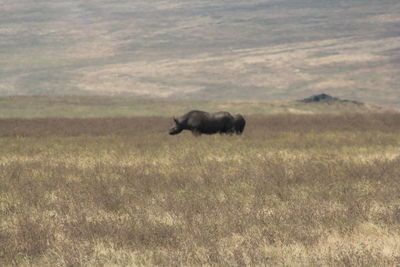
(202, 50)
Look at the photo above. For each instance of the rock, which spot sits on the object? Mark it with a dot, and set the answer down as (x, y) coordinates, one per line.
(320, 98)
(325, 98)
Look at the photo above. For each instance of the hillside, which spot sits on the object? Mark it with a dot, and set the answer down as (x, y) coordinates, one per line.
(201, 50)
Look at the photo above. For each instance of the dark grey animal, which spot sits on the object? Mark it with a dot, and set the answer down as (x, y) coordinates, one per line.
(200, 122)
(239, 123)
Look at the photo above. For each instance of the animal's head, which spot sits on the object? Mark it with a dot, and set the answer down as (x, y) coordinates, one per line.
(177, 128)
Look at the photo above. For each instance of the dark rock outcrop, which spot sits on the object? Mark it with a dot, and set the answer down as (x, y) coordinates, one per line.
(320, 98)
(325, 98)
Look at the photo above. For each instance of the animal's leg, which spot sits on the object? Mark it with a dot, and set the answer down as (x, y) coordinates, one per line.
(229, 131)
(196, 133)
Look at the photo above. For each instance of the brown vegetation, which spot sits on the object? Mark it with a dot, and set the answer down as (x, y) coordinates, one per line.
(294, 190)
(258, 125)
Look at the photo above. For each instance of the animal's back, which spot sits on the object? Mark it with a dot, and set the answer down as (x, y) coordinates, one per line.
(195, 118)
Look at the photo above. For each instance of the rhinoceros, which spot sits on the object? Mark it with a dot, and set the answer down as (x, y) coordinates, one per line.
(201, 122)
(239, 123)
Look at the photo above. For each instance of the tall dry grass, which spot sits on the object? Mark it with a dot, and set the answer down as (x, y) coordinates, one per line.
(294, 190)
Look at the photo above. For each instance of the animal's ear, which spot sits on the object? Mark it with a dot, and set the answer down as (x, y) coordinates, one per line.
(176, 121)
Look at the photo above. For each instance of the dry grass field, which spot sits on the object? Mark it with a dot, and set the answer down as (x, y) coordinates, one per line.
(294, 190)
(69, 106)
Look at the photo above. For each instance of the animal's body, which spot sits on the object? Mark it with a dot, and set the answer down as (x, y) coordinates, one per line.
(200, 122)
(239, 123)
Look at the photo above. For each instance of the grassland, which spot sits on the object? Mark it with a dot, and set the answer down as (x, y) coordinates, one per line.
(103, 106)
(294, 190)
